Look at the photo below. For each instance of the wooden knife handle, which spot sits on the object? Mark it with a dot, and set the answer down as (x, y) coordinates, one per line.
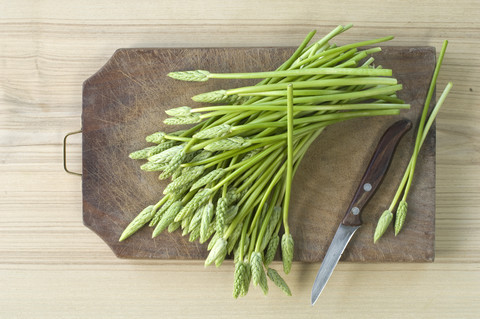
(375, 171)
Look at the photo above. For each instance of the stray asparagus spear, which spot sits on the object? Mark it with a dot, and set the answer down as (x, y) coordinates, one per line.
(405, 184)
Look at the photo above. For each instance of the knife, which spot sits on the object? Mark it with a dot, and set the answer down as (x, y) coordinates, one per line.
(368, 185)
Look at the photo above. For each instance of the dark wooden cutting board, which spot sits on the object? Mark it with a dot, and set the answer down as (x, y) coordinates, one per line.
(125, 101)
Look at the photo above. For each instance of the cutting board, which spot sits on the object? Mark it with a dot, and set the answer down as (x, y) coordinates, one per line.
(125, 101)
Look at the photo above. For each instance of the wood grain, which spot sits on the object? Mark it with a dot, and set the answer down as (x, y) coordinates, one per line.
(52, 266)
(126, 101)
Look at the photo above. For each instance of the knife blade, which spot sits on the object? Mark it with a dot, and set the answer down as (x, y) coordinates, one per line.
(369, 183)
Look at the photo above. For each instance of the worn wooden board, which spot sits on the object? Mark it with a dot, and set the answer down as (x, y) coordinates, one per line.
(124, 101)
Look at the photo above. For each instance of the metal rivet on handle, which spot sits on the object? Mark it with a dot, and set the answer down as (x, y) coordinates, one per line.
(367, 187)
(355, 210)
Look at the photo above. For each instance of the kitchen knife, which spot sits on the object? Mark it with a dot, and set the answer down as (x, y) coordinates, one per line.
(368, 185)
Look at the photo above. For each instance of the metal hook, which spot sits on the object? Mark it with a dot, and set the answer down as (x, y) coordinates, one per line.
(65, 153)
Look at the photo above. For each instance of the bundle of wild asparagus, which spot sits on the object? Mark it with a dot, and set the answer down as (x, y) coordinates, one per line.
(231, 172)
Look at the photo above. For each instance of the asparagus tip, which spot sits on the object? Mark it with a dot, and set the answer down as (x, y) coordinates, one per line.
(123, 237)
(212, 97)
(196, 76)
(382, 225)
(400, 216)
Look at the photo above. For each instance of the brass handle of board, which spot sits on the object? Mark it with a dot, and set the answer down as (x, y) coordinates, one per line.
(65, 153)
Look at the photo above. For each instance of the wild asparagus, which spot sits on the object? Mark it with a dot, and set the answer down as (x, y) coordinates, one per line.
(232, 169)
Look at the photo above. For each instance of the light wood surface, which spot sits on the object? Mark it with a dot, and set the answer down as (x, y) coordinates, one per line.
(51, 266)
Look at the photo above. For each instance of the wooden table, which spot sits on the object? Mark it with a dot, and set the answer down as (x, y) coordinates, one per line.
(53, 266)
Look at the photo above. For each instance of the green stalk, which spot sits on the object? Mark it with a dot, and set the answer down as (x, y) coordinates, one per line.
(195, 128)
(314, 49)
(324, 41)
(177, 138)
(210, 114)
(286, 65)
(296, 158)
(257, 157)
(253, 239)
(242, 240)
(263, 228)
(422, 119)
(265, 175)
(161, 202)
(297, 93)
(342, 96)
(335, 58)
(300, 72)
(251, 201)
(266, 194)
(262, 167)
(323, 120)
(314, 84)
(213, 160)
(344, 48)
(243, 166)
(230, 118)
(286, 202)
(334, 61)
(329, 60)
(297, 52)
(298, 108)
(429, 123)
(387, 98)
